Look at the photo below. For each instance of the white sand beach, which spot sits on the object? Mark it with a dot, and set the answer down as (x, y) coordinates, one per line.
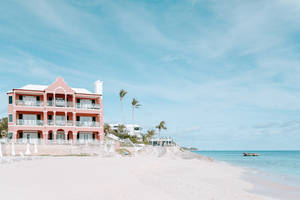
(149, 175)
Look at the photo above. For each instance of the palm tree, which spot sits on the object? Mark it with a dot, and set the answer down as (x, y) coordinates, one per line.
(148, 136)
(107, 129)
(122, 95)
(161, 126)
(135, 104)
(150, 133)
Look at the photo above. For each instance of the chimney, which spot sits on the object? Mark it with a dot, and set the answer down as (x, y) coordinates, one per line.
(98, 87)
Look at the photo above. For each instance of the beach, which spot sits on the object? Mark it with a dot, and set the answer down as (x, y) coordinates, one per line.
(152, 174)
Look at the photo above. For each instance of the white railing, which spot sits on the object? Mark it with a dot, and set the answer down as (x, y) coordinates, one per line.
(70, 123)
(87, 124)
(59, 103)
(30, 122)
(50, 122)
(60, 122)
(29, 103)
(88, 106)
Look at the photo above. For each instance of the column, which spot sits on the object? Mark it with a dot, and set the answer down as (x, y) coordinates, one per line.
(74, 119)
(45, 99)
(65, 100)
(74, 103)
(14, 136)
(45, 136)
(75, 137)
(54, 135)
(14, 117)
(45, 118)
(54, 100)
(14, 98)
(66, 136)
(66, 122)
(54, 118)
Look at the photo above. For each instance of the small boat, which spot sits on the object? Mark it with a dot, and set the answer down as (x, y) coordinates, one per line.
(250, 154)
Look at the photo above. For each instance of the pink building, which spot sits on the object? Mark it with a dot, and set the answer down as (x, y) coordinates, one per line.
(56, 113)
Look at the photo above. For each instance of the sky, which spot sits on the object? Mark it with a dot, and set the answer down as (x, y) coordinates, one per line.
(223, 75)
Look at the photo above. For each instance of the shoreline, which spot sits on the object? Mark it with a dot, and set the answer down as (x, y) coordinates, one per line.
(166, 173)
(268, 184)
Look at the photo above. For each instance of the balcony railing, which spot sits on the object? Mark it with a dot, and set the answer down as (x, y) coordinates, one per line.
(88, 106)
(60, 103)
(29, 103)
(70, 123)
(60, 122)
(87, 124)
(50, 122)
(30, 122)
(49, 103)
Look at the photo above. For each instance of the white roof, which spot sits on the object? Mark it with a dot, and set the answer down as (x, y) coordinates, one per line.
(34, 87)
(82, 90)
(43, 87)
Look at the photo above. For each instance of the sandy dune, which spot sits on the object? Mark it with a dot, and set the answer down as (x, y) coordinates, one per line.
(151, 175)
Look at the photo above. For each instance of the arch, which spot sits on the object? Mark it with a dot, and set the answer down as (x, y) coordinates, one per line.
(50, 135)
(60, 134)
(70, 135)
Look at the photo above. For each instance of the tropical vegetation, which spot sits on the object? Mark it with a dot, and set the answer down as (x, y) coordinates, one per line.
(161, 126)
(3, 127)
(122, 94)
(135, 104)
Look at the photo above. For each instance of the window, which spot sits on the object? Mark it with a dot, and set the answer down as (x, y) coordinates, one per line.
(10, 135)
(10, 100)
(20, 116)
(21, 97)
(10, 116)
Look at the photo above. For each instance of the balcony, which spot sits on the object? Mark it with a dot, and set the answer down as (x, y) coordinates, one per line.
(70, 123)
(87, 124)
(29, 103)
(60, 103)
(60, 122)
(50, 122)
(88, 106)
(30, 122)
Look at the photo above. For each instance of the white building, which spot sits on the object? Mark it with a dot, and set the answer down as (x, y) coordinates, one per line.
(132, 129)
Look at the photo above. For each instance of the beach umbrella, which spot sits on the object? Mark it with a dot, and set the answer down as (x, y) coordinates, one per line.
(35, 148)
(1, 151)
(27, 153)
(13, 153)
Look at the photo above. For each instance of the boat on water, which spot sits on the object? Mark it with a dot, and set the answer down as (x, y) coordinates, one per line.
(250, 154)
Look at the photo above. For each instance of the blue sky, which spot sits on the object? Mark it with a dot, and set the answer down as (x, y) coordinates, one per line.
(222, 74)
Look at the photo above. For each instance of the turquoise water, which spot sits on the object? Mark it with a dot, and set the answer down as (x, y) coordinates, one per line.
(283, 164)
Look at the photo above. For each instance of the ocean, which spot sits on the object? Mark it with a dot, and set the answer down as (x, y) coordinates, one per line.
(282, 165)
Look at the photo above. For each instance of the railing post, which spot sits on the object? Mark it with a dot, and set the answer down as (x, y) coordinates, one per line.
(74, 119)
(54, 100)
(54, 118)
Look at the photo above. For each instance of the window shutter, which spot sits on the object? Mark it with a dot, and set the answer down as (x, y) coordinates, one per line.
(37, 98)
(10, 99)
(20, 135)
(10, 117)
(38, 117)
(20, 116)
(77, 118)
(93, 101)
(94, 119)
(78, 100)
(20, 97)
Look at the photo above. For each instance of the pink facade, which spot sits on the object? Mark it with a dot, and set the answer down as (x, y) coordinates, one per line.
(55, 112)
